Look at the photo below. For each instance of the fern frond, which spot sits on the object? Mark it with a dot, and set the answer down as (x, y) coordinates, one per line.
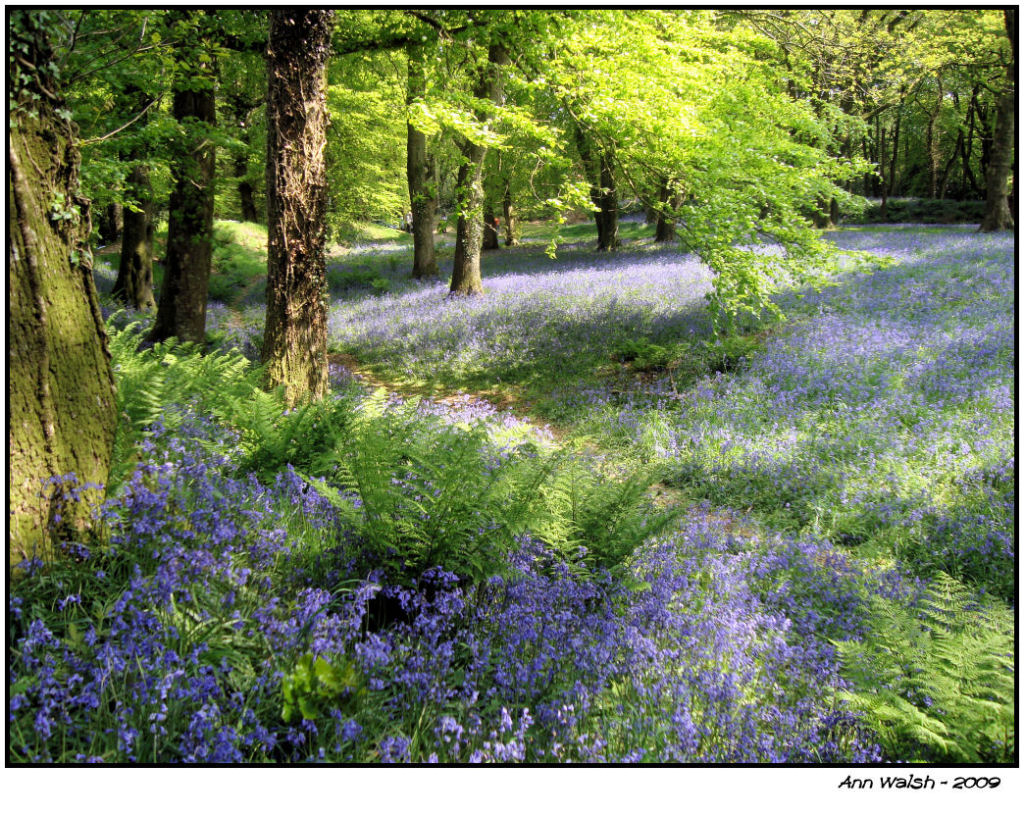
(939, 677)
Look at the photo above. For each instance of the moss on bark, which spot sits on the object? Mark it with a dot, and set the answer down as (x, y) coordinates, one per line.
(61, 407)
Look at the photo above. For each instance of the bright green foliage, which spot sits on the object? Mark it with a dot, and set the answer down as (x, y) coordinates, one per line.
(937, 680)
(165, 382)
(316, 685)
(239, 267)
(365, 143)
(675, 95)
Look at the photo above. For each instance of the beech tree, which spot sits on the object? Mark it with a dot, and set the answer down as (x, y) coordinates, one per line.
(997, 208)
(61, 408)
(466, 279)
(420, 172)
(295, 337)
(134, 284)
(181, 310)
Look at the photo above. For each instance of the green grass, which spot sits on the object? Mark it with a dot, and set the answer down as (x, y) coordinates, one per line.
(239, 268)
(363, 232)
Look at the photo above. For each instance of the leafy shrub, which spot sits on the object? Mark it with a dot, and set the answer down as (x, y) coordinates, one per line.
(937, 680)
(728, 353)
(646, 356)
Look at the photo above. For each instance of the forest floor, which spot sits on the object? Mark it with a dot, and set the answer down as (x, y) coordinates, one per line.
(558, 522)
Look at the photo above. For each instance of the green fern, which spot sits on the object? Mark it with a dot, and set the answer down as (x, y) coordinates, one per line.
(429, 493)
(936, 682)
(168, 382)
(599, 519)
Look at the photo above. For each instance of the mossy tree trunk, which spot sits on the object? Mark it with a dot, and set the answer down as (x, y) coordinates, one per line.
(181, 309)
(466, 278)
(61, 409)
(295, 338)
(420, 173)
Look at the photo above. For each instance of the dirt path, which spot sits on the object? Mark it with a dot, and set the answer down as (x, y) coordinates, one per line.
(499, 401)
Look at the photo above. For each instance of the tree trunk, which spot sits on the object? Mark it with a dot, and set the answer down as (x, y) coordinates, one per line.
(932, 148)
(111, 222)
(134, 284)
(420, 173)
(607, 216)
(985, 142)
(246, 199)
(669, 199)
(181, 311)
(881, 173)
(968, 147)
(61, 409)
(466, 278)
(511, 240)
(469, 230)
(997, 207)
(243, 107)
(490, 240)
(948, 167)
(894, 164)
(866, 181)
(295, 338)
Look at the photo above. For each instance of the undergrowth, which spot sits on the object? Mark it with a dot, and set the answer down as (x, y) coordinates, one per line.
(935, 680)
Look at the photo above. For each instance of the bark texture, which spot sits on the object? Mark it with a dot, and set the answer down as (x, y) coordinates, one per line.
(111, 222)
(997, 206)
(61, 410)
(420, 173)
(181, 311)
(295, 338)
(134, 284)
(466, 279)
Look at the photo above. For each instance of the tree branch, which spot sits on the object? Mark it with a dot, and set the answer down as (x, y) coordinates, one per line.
(131, 121)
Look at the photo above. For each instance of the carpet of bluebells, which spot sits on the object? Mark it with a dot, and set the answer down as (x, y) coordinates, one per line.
(227, 617)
